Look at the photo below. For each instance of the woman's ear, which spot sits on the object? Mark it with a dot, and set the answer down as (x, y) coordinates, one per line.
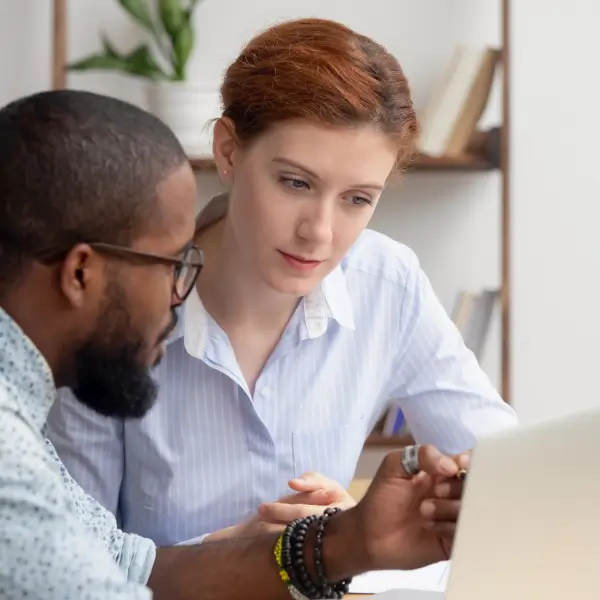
(224, 148)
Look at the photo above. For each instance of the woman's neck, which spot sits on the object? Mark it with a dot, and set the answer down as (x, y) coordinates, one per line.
(231, 290)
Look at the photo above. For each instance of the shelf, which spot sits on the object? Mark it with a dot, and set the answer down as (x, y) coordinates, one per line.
(203, 164)
(451, 163)
(421, 163)
(378, 440)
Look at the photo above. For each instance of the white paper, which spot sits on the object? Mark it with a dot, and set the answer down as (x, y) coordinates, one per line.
(431, 578)
(409, 595)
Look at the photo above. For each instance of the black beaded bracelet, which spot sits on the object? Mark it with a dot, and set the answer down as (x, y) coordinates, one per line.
(335, 590)
(292, 557)
(295, 565)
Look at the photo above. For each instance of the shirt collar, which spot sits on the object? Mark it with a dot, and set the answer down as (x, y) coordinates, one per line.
(329, 300)
(25, 373)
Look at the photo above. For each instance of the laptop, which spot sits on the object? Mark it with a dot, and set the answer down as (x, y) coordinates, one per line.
(529, 526)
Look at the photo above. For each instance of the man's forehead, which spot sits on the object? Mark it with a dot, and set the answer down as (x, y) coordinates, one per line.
(171, 222)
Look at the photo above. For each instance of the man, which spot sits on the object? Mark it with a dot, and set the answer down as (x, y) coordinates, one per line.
(97, 203)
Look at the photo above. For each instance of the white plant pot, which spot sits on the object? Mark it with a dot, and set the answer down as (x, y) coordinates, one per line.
(189, 110)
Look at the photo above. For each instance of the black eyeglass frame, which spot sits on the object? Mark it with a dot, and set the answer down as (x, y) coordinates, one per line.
(178, 264)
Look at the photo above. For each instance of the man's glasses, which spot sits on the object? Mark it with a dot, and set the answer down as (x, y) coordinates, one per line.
(185, 269)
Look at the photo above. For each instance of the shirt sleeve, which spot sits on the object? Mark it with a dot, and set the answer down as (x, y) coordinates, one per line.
(194, 541)
(446, 397)
(134, 554)
(90, 446)
(45, 550)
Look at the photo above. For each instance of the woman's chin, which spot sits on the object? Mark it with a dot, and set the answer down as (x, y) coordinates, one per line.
(292, 286)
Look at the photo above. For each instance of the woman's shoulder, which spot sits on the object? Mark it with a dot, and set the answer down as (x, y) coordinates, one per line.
(378, 256)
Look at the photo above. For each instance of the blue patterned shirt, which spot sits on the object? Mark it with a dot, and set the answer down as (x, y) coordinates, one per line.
(56, 542)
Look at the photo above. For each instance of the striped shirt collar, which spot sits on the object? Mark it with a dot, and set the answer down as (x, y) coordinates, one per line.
(330, 300)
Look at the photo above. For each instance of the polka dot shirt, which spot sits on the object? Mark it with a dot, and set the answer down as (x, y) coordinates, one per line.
(56, 542)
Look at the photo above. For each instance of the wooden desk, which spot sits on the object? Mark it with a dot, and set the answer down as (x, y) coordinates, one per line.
(358, 487)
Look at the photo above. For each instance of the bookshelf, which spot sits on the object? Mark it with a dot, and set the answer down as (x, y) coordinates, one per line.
(379, 440)
(424, 164)
(421, 163)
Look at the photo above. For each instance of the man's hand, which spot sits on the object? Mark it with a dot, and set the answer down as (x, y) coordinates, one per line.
(409, 522)
(391, 528)
(445, 491)
(403, 522)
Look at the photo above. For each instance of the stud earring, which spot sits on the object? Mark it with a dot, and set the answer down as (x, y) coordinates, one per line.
(226, 177)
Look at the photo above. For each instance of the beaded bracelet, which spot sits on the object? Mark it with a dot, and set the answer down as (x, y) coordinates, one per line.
(289, 554)
(283, 557)
(284, 552)
(336, 590)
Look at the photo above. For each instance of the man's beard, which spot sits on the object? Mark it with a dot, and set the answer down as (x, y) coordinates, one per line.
(111, 376)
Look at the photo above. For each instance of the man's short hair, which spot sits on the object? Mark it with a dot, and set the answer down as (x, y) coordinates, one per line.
(77, 167)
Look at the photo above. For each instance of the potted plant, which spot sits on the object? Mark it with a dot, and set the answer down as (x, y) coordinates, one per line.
(186, 107)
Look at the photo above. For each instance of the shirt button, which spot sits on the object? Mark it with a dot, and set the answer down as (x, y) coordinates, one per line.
(266, 391)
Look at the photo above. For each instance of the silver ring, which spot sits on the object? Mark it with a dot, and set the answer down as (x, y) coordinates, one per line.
(410, 459)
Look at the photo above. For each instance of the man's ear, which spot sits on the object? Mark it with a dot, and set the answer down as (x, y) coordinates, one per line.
(78, 273)
(225, 146)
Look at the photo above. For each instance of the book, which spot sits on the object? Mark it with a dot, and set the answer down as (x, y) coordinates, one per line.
(472, 315)
(450, 120)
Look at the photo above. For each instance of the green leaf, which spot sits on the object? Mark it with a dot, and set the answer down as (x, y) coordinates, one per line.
(139, 10)
(97, 61)
(172, 16)
(183, 44)
(109, 49)
(138, 62)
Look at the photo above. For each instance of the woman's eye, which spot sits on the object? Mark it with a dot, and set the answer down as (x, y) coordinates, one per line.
(297, 184)
(361, 201)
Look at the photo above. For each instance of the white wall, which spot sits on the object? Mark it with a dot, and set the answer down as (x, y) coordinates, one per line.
(451, 220)
(556, 206)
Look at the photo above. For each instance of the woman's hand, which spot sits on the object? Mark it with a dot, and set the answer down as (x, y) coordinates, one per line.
(313, 494)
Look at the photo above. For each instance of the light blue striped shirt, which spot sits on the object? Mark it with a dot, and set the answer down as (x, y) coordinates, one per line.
(209, 453)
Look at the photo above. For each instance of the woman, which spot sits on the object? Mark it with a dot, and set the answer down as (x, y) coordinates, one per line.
(305, 324)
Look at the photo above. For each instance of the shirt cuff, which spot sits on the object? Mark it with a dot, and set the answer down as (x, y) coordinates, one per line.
(137, 558)
(193, 541)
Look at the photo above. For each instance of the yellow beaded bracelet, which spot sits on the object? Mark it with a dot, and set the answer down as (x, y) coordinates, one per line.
(277, 552)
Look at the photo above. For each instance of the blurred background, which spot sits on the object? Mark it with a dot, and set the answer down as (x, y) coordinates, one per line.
(504, 199)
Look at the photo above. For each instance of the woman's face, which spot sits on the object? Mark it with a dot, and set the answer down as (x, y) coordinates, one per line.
(301, 196)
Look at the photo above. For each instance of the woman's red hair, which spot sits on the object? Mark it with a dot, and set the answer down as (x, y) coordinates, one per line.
(321, 71)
